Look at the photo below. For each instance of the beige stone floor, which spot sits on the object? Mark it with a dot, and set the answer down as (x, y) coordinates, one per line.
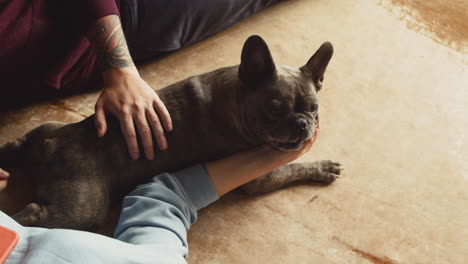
(394, 111)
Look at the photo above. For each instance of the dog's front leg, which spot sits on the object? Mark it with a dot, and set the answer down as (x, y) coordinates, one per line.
(325, 171)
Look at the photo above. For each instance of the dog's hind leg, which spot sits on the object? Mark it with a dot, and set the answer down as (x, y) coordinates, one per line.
(325, 171)
(82, 206)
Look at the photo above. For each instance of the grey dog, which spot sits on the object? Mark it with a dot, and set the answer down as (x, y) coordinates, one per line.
(77, 176)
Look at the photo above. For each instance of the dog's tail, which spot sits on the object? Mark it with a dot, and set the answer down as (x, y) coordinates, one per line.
(10, 153)
(13, 153)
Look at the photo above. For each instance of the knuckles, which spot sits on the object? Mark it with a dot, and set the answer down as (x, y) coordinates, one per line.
(145, 132)
(131, 135)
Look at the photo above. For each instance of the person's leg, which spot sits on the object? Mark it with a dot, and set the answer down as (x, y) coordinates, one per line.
(154, 27)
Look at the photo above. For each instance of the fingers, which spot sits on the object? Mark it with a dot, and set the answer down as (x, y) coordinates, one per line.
(140, 111)
(3, 174)
(3, 178)
(100, 119)
(314, 137)
(158, 131)
(145, 135)
(128, 129)
(148, 124)
(317, 129)
(162, 112)
(307, 145)
(3, 184)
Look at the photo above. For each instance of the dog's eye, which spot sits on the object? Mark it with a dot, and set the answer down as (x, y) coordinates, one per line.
(314, 108)
(276, 106)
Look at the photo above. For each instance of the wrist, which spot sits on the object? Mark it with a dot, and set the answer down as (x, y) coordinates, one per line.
(117, 74)
(274, 157)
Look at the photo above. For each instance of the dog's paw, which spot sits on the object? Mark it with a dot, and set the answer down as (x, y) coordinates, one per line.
(30, 215)
(327, 170)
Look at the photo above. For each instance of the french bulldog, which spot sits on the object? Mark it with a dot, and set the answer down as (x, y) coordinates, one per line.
(77, 176)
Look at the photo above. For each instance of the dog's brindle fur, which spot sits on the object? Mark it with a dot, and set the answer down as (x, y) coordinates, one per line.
(78, 176)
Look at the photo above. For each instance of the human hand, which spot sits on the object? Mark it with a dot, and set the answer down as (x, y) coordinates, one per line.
(281, 158)
(3, 178)
(136, 105)
(240, 168)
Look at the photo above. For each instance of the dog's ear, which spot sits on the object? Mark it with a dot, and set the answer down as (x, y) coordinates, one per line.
(256, 62)
(317, 64)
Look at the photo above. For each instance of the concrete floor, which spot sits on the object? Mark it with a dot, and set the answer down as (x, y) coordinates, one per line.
(393, 110)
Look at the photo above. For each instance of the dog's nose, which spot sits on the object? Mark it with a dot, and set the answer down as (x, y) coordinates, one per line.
(301, 124)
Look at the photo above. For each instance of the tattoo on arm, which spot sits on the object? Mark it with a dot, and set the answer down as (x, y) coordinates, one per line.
(107, 35)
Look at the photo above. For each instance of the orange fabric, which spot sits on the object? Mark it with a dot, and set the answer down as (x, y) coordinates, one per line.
(8, 241)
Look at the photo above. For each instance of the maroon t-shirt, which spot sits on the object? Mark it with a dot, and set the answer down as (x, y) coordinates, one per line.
(43, 47)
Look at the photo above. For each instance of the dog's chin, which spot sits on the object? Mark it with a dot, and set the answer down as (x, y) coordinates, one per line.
(286, 145)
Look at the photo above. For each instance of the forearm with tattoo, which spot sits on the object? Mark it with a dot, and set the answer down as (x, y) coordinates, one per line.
(108, 37)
